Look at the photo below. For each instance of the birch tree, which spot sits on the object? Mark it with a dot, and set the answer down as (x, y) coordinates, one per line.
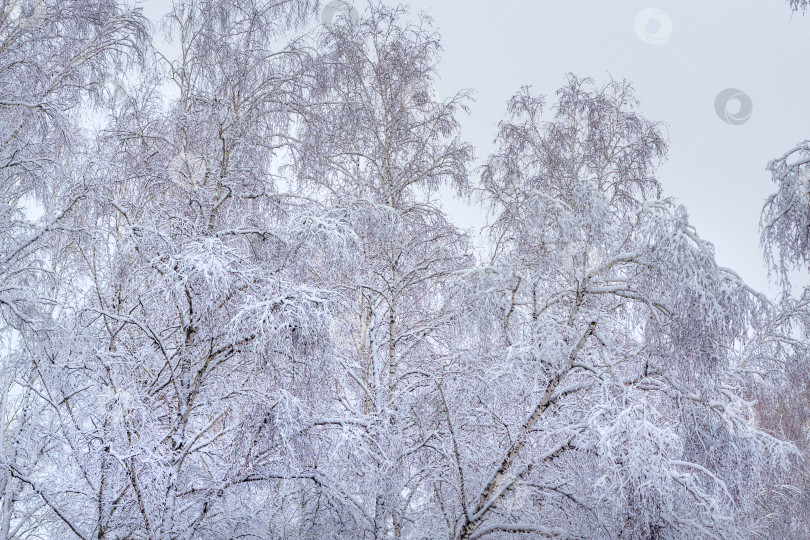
(50, 54)
(374, 155)
(604, 397)
(784, 225)
(179, 373)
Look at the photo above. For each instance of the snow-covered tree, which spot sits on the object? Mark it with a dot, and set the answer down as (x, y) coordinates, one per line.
(785, 239)
(50, 55)
(603, 396)
(374, 153)
(190, 334)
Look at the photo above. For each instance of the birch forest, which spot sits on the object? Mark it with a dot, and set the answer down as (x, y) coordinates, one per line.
(234, 305)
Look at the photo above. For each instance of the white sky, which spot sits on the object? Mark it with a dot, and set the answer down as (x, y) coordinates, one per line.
(716, 170)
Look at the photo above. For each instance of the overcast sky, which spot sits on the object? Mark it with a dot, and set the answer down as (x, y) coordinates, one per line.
(679, 55)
